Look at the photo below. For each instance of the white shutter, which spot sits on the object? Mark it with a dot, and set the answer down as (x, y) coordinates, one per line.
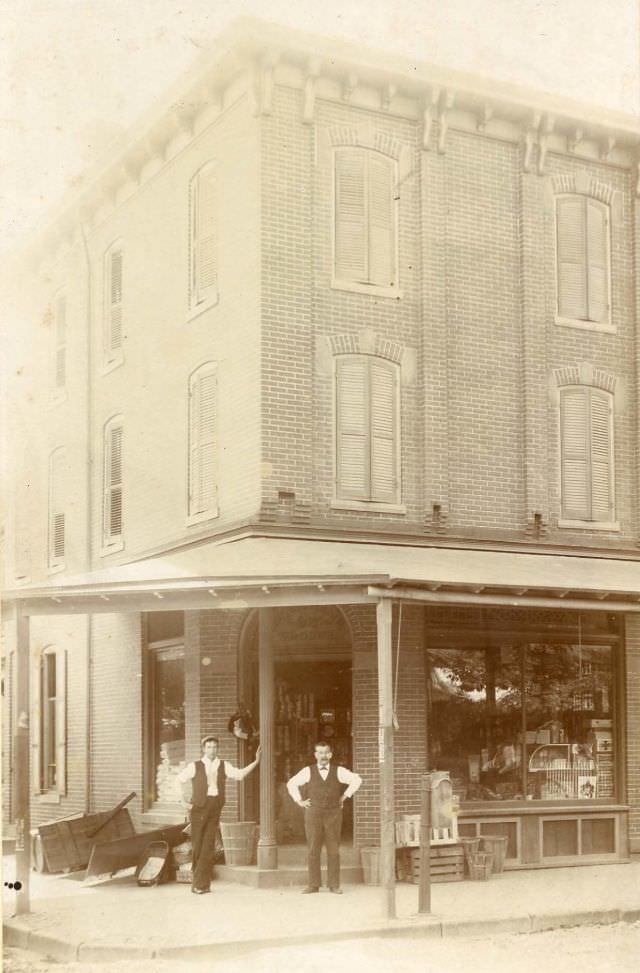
(113, 483)
(383, 431)
(22, 520)
(381, 220)
(61, 722)
(202, 443)
(57, 497)
(204, 270)
(114, 343)
(352, 432)
(571, 257)
(35, 724)
(350, 215)
(597, 261)
(575, 454)
(60, 362)
(601, 457)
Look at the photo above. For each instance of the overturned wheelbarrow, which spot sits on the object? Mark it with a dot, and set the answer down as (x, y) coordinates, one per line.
(110, 857)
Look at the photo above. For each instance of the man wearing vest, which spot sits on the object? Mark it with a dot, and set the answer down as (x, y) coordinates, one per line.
(326, 787)
(208, 777)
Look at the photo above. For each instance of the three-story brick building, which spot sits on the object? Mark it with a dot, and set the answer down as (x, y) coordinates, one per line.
(324, 396)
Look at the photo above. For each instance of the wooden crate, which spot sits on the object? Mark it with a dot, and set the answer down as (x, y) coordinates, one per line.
(66, 845)
(447, 864)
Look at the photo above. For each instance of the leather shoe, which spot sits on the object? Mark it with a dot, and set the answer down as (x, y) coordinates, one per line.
(336, 891)
(310, 889)
(200, 891)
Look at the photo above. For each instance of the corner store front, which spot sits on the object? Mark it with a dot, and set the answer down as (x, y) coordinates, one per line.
(518, 677)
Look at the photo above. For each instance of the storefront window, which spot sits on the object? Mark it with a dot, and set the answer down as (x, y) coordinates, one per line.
(520, 722)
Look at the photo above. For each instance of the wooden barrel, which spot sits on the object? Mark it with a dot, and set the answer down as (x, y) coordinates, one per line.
(239, 840)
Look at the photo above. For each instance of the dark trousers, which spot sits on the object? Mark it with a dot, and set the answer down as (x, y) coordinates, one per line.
(204, 828)
(323, 827)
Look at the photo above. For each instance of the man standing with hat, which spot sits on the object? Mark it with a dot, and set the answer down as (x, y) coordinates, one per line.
(208, 778)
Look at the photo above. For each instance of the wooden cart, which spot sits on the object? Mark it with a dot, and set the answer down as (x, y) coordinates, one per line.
(65, 845)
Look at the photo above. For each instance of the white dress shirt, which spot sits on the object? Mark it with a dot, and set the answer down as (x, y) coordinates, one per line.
(211, 770)
(303, 777)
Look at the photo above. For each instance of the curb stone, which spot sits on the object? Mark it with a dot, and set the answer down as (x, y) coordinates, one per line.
(416, 927)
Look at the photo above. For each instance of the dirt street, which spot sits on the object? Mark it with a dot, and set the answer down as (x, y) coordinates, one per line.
(599, 949)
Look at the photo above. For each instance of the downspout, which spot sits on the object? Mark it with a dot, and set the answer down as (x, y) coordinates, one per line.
(89, 512)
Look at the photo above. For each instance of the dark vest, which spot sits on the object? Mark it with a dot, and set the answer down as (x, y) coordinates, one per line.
(324, 794)
(199, 784)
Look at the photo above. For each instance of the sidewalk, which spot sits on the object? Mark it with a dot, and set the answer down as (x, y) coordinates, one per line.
(120, 920)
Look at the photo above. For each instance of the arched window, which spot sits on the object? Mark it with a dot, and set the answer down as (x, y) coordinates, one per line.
(112, 487)
(367, 444)
(364, 218)
(202, 460)
(203, 257)
(586, 454)
(582, 256)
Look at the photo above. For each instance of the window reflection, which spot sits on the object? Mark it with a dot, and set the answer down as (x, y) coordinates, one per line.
(518, 722)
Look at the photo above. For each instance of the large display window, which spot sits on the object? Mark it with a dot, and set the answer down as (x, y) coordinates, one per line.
(524, 722)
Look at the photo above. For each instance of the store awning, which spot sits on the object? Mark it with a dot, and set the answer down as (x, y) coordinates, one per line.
(259, 571)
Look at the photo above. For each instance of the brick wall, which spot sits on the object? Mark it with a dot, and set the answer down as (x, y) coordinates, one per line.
(632, 706)
(116, 723)
(211, 643)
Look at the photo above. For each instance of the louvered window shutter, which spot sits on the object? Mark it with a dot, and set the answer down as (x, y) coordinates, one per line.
(113, 483)
(115, 309)
(37, 699)
(60, 363)
(571, 254)
(61, 722)
(383, 379)
(350, 215)
(352, 433)
(204, 270)
(57, 501)
(601, 457)
(381, 220)
(597, 261)
(574, 420)
(202, 436)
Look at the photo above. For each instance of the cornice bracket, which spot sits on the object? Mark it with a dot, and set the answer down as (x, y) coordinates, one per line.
(543, 143)
(574, 140)
(388, 95)
(310, 85)
(428, 117)
(349, 86)
(446, 104)
(484, 118)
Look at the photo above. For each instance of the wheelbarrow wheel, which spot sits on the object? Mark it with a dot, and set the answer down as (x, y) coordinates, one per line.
(37, 855)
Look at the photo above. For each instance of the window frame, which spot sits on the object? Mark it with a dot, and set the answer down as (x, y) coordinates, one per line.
(49, 726)
(202, 299)
(56, 507)
(197, 516)
(585, 324)
(339, 502)
(112, 358)
(112, 542)
(339, 282)
(570, 522)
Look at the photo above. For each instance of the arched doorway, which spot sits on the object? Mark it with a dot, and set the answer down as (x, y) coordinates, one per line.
(313, 701)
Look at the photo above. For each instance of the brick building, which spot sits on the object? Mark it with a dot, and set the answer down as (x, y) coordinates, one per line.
(324, 396)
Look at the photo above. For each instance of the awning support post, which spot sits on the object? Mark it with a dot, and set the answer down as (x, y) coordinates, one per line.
(385, 757)
(22, 765)
(267, 844)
